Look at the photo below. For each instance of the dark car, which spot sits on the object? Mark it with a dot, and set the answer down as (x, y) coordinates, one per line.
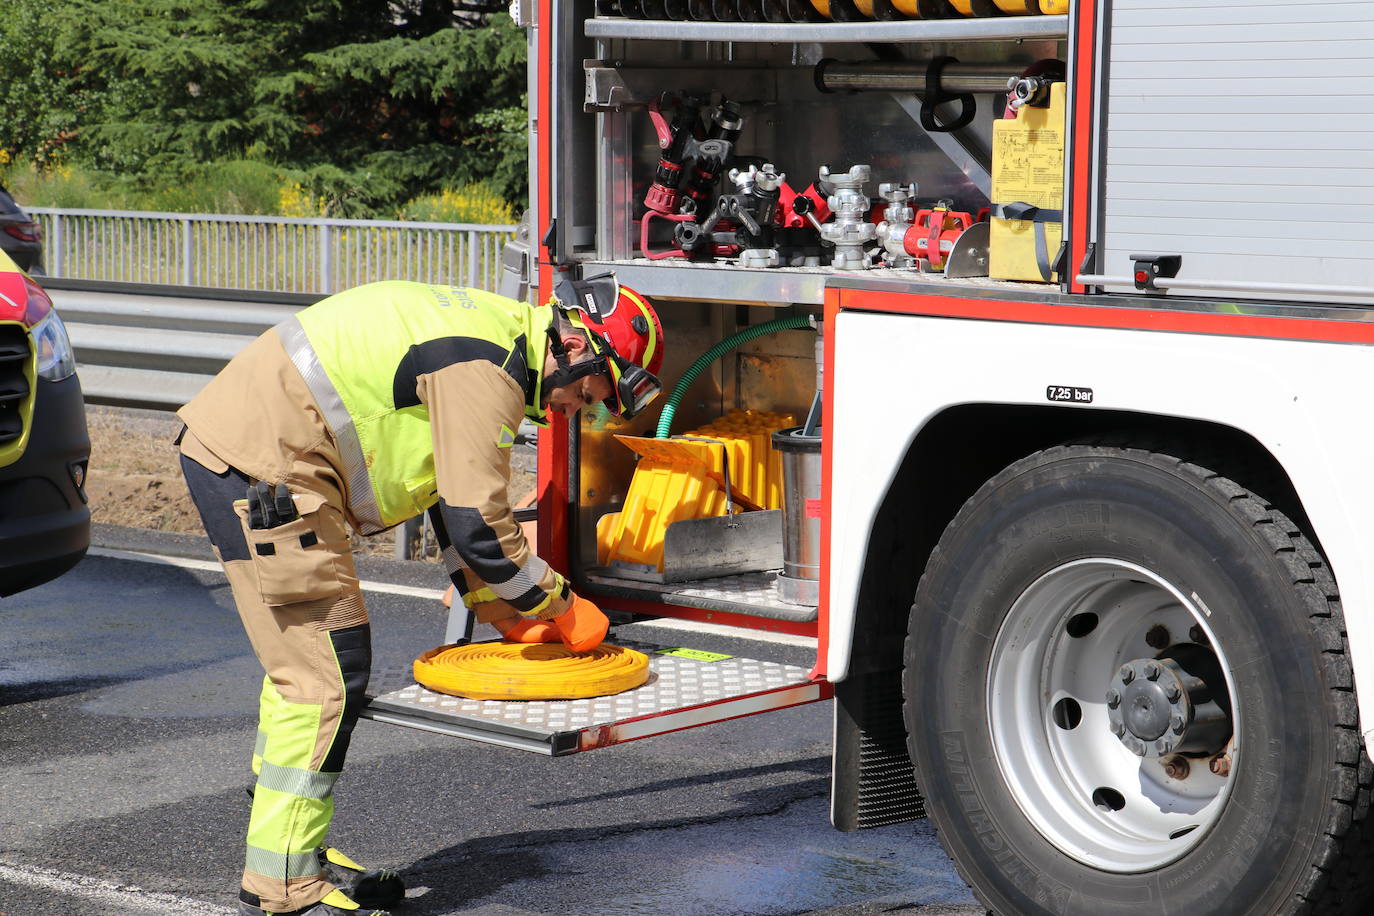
(45, 525)
(20, 237)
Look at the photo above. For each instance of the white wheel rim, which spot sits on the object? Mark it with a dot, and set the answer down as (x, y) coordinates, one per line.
(1063, 777)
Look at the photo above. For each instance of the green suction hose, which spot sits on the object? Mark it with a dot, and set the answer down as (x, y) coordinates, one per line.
(665, 419)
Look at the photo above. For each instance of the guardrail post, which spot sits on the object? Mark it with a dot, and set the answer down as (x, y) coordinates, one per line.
(406, 534)
(472, 259)
(56, 262)
(187, 264)
(325, 283)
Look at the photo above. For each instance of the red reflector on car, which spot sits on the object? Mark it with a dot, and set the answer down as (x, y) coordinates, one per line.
(25, 232)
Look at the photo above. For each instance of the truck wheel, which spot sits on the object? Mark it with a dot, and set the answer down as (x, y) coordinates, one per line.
(1128, 692)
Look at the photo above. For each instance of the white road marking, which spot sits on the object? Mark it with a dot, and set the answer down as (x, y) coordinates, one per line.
(213, 566)
(107, 893)
(693, 627)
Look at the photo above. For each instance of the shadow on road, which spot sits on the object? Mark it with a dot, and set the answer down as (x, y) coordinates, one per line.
(817, 765)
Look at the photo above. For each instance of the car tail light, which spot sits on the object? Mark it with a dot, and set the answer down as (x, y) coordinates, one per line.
(25, 232)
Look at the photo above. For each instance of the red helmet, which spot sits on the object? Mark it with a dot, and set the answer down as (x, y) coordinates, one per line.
(625, 338)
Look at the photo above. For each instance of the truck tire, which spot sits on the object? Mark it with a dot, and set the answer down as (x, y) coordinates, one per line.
(1096, 627)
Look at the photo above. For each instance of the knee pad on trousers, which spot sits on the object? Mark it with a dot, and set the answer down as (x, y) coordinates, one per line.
(353, 650)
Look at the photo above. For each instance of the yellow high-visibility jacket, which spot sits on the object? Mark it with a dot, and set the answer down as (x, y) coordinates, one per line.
(411, 394)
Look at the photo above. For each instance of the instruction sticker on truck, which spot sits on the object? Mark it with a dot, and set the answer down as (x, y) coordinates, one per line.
(695, 654)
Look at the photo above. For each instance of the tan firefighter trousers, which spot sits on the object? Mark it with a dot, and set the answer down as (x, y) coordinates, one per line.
(297, 593)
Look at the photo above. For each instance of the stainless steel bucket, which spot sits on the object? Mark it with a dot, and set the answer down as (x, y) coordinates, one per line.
(801, 516)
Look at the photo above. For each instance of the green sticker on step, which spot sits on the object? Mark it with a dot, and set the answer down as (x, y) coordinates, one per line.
(695, 654)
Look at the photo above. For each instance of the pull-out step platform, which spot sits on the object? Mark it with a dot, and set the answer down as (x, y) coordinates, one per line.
(685, 689)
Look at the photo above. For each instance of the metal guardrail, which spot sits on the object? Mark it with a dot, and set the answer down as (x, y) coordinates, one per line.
(275, 253)
(156, 347)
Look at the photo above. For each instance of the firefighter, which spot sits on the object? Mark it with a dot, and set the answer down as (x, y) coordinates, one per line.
(362, 411)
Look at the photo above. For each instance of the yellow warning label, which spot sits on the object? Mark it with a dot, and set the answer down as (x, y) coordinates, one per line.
(695, 654)
(1028, 169)
(1028, 155)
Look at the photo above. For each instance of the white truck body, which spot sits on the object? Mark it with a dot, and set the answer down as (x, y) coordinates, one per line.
(1289, 395)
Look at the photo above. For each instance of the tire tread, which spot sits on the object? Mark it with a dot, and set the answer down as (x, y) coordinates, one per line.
(1339, 878)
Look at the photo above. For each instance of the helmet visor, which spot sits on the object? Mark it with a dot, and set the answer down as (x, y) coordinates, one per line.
(635, 388)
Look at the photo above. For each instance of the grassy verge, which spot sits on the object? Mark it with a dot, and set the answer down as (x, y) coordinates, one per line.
(240, 186)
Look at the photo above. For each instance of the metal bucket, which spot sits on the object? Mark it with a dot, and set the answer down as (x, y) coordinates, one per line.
(801, 516)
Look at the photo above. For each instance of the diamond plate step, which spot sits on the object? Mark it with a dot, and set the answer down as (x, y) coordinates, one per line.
(751, 594)
(681, 693)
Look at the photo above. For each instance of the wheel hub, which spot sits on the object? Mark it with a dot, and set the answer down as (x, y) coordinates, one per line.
(1156, 708)
(1060, 745)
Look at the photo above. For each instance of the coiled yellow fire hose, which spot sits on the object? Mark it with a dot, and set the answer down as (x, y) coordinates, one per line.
(530, 671)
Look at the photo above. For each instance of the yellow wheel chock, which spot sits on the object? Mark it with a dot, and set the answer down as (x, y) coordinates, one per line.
(530, 671)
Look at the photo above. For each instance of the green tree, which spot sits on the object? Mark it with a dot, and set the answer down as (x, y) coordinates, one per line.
(403, 114)
(365, 102)
(39, 113)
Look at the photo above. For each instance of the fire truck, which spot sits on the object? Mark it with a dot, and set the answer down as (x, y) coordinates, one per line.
(1072, 298)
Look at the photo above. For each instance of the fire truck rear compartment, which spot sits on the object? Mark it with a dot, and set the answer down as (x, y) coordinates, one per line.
(774, 374)
(869, 119)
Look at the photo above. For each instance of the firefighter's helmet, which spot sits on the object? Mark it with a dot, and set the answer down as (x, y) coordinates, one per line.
(624, 337)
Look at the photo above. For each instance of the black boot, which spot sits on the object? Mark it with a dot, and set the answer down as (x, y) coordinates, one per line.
(379, 887)
(335, 903)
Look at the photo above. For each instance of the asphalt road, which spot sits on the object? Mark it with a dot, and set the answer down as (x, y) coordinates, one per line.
(127, 715)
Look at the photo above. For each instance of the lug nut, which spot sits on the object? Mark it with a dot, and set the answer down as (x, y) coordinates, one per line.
(1162, 747)
(1157, 637)
(1177, 723)
(1173, 692)
(1113, 698)
(1177, 767)
(1220, 765)
(1118, 729)
(1151, 671)
(1196, 635)
(1127, 674)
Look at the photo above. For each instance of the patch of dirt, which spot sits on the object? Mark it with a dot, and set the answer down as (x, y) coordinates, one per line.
(135, 480)
(134, 477)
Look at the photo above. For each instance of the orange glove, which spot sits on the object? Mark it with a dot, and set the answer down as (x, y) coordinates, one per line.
(531, 631)
(582, 626)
